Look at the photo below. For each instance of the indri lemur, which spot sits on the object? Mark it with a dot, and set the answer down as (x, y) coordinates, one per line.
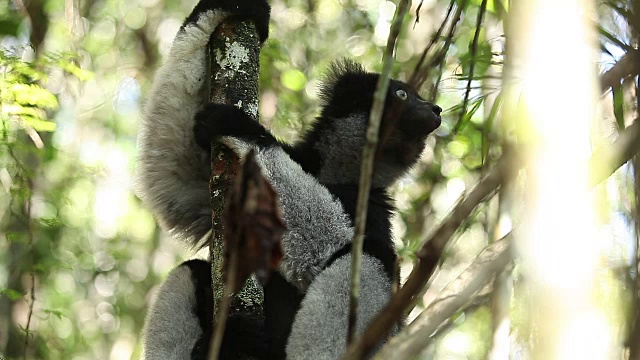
(306, 303)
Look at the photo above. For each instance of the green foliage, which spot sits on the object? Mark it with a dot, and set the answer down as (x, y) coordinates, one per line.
(12, 295)
(24, 102)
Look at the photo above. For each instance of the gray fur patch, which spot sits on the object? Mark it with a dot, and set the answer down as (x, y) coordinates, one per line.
(172, 174)
(319, 330)
(171, 327)
(317, 225)
(341, 148)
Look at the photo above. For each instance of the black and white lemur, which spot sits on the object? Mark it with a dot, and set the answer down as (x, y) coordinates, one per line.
(306, 302)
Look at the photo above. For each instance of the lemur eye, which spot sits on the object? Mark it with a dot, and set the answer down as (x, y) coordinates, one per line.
(402, 94)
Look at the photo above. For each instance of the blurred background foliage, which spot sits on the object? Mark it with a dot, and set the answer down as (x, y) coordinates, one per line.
(80, 257)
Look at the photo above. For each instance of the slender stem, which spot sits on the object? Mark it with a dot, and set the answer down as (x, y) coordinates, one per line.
(427, 260)
(472, 65)
(224, 304)
(415, 337)
(367, 165)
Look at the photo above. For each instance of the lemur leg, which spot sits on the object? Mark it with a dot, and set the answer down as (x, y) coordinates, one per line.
(319, 331)
(179, 314)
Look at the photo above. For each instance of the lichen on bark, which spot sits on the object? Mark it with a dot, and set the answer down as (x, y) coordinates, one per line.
(235, 62)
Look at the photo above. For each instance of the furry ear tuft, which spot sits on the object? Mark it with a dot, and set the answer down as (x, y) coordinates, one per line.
(347, 88)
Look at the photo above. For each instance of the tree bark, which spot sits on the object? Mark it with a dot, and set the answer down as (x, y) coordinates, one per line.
(235, 63)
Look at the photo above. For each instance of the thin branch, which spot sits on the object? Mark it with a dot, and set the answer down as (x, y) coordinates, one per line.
(224, 304)
(501, 322)
(503, 284)
(628, 65)
(414, 76)
(427, 259)
(634, 335)
(416, 336)
(366, 169)
(26, 215)
(438, 59)
(472, 65)
(607, 160)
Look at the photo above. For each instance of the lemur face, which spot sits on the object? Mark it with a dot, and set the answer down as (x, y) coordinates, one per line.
(408, 113)
(406, 122)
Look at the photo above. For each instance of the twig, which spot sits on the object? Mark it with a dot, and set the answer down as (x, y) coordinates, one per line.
(628, 65)
(438, 59)
(224, 305)
(472, 65)
(503, 284)
(413, 79)
(366, 169)
(427, 260)
(634, 335)
(416, 336)
(606, 161)
(29, 230)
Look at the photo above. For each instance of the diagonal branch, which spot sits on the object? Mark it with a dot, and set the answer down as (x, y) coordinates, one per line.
(366, 169)
(607, 160)
(427, 260)
(415, 337)
(628, 65)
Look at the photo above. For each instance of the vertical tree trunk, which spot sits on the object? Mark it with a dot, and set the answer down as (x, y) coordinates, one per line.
(235, 63)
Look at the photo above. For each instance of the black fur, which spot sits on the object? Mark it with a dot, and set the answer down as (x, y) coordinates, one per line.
(258, 11)
(348, 90)
(244, 335)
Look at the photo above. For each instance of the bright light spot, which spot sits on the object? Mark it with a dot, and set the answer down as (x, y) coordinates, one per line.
(62, 326)
(123, 348)
(559, 244)
(457, 342)
(166, 33)
(135, 18)
(385, 15)
(593, 328)
(65, 283)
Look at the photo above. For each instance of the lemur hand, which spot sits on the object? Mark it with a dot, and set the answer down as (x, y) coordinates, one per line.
(257, 11)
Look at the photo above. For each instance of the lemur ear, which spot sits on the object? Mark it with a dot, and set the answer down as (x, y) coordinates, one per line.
(347, 87)
(338, 70)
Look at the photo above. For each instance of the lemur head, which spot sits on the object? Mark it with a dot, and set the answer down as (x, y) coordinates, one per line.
(340, 133)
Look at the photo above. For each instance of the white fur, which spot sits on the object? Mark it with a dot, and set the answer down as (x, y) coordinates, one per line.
(172, 172)
(319, 331)
(171, 327)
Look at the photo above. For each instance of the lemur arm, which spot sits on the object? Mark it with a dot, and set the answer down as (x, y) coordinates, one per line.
(172, 172)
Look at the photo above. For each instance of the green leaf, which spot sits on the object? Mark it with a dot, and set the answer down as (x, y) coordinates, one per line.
(11, 294)
(31, 94)
(609, 36)
(39, 124)
(39, 268)
(486, 129)
(464, 120)
(57, 313)
(618, 106)
(19, 110)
